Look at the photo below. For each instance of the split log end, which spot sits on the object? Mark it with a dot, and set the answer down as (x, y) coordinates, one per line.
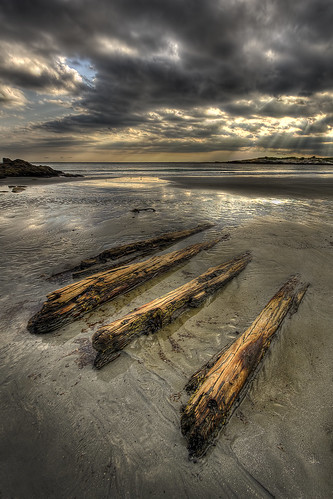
(299, 297)
(32, 325)
(103, 358)
(37, 325)
(201, 437)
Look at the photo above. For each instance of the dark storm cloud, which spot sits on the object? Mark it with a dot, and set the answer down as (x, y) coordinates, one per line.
(47, 143)
(180, 54)
(183, 146)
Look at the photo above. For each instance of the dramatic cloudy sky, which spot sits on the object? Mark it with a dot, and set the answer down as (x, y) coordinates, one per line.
(165, 79)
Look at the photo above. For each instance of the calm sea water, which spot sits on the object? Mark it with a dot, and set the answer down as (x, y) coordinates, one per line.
(70, 431)
(206, 169)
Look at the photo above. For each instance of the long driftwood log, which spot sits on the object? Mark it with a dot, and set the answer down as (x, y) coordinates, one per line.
(147, 319)
(73, 301)
(118, 255)
(222, 381)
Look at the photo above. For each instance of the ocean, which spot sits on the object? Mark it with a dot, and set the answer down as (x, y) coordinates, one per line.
(192, 169)
(69, 430)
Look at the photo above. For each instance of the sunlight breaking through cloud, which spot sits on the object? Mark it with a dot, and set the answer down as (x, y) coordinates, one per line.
(222, 80)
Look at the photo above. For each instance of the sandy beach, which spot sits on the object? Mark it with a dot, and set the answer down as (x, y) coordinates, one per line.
(70, 431)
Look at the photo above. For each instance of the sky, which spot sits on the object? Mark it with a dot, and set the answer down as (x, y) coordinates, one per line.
(165, 80)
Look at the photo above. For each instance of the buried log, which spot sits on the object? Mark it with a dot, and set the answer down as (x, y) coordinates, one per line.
(73, 301)
(222, 381)
(112, 338)
(136, 249)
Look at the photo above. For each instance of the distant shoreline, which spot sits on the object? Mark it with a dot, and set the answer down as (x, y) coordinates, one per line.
(290, 160)
(265, 160)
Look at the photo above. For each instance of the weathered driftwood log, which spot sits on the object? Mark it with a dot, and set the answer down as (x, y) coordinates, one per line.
(73, 301)
(199, 376)
(103, 261)
(222, 380)
(112, 338)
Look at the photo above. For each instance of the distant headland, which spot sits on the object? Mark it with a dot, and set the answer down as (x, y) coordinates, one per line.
(287, 160)
(21, 168)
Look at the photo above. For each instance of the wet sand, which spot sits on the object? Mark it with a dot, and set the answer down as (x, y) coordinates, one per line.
(70, 431)
(312, 186)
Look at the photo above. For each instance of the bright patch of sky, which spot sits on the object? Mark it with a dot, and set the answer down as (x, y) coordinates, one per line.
(84, 68)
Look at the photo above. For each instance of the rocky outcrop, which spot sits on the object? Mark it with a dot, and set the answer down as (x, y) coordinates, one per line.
(21, 168)
(290, 160)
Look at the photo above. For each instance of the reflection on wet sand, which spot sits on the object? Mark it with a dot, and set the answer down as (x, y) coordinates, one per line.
(130, 182)
(312, 186)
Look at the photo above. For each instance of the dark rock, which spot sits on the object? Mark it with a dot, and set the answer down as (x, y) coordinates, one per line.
(17, 188)
(71, 175)
(137, 210)
(21, 168)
